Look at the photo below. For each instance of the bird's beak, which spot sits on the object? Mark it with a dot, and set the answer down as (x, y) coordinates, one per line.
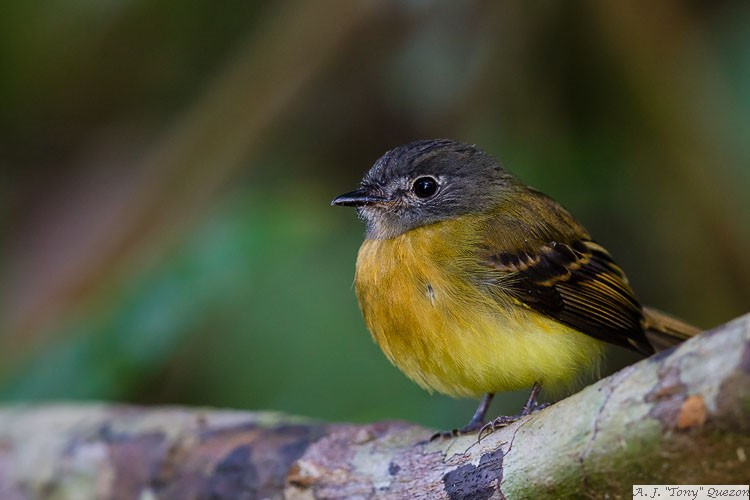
(358, 198)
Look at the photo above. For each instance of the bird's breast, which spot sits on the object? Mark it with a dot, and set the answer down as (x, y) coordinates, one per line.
(420, 300)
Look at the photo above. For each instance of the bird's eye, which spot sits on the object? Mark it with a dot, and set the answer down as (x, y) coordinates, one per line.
(424, 187)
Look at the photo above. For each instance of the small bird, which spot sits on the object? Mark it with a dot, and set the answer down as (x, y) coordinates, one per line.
(473, 283)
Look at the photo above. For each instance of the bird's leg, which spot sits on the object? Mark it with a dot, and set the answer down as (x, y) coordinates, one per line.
(531, 405)
(504, 420)
(476, 422)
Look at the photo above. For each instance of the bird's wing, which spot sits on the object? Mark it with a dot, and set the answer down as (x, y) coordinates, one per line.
(578, 284)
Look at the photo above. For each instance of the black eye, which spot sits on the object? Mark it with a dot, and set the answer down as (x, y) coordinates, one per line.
(424, 187)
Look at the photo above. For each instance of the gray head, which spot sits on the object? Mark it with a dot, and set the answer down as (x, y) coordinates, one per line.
(426, 182)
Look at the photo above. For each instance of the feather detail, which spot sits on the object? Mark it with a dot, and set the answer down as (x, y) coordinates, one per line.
(578, 284)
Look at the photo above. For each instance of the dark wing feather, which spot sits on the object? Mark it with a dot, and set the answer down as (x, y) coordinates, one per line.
(579, 285)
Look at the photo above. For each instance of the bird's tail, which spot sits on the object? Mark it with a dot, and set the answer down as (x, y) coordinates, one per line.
(664, 331)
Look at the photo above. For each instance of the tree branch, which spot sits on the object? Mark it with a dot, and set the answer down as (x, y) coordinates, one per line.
(682, 416)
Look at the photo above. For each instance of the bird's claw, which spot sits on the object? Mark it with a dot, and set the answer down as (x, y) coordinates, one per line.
(466, 429)
(506, 420)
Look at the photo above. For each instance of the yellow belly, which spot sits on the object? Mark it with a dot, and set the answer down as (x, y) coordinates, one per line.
(447, 335)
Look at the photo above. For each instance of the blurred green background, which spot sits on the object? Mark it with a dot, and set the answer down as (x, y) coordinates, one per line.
(167, 167)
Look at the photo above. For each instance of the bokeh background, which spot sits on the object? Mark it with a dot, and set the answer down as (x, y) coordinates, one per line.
(166, 171)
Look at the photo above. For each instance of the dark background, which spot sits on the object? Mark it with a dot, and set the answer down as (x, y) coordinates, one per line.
(166, 170)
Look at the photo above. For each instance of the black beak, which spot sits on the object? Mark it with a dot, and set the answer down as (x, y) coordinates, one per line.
(358, 198)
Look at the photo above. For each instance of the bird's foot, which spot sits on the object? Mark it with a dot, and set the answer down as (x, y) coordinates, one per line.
(469, 428)
(476, 422)
(506, 420)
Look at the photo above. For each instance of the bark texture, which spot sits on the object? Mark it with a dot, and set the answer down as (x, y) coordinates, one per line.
(682, 416)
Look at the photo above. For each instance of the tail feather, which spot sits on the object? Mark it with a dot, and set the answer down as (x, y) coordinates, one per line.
(664, 331)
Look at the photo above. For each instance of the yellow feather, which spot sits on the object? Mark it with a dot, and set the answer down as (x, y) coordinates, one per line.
(435, 324)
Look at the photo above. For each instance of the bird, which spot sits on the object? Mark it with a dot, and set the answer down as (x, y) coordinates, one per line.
(473, 283)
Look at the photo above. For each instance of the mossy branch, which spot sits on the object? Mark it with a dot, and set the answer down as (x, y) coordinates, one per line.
(682, 416)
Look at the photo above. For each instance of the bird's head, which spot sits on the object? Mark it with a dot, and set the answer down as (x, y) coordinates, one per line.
(426, 182)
